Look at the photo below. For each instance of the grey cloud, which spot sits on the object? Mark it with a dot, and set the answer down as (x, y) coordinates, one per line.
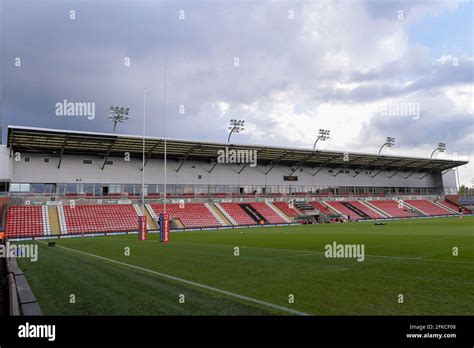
(439, 121)
(384, 84)
(83, 60)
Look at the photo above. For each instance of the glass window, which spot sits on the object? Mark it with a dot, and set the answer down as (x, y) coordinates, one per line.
(152, 188)
(129, 188)
(115, 188)
(50, 188)
(36, 188)
(19, 187)
(69, 188)
(14, 187)
(88, 188)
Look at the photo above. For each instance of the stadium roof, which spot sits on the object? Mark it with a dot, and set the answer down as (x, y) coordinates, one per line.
(57, 143)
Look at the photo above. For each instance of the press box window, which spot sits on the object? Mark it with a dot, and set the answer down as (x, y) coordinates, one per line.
(20, 187)
(87, 162)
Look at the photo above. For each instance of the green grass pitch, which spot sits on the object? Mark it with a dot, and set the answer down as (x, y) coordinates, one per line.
(413, 258)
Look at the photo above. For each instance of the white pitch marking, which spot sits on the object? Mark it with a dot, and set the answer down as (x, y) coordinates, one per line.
(308, 252)
(410, 241)
(225, 292)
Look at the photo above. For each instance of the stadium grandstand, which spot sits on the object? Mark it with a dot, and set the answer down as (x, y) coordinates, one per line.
(60, 182)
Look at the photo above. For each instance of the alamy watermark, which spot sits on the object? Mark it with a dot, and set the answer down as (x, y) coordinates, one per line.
(240, 156)
(402, 109)
(75, 109)
(27, 251)
(349, 251)
(37, 331)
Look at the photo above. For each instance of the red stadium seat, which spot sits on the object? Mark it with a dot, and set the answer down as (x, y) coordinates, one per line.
(286, 209)
(26, 221)
(428, 207)
(100, 218)
(359, 205)
(239, 215)
(322, 208)
(391, 207)
(191, 215)
(450, 205)
(344, 210)
(268, 213)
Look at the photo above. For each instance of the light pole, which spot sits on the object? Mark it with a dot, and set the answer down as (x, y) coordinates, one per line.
(118, 114)
(441, 148)
(323, 136)
(389, 142)
(236, 126)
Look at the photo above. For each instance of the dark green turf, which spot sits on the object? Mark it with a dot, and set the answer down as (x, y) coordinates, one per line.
(412, 257)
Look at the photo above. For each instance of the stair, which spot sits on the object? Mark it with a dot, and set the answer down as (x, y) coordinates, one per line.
(226, 215)
(149, 221)
(218, 215)
(46, 224)
(414, 209)
(356, 210)
(62, 220)
(330, 207)
(278, 212)
(253, 213)
(178, 222)
(283, 215)
(54, 220)
(306, 208)
(442, 206)
(376, 209)
(303, 206)
(152, 224)
(151, 212)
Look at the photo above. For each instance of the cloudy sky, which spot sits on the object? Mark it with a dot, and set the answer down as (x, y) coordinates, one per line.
(363, 69)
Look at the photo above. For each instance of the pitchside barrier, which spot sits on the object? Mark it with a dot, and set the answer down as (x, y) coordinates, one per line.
(412, 217)
(21, 297)
(205, 228)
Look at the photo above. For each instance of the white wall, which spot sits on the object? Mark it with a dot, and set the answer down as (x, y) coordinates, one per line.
(5, 163)
(450, 183)
(121, 172)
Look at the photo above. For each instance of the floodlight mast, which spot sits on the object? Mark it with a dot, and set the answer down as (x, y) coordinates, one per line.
(118, 115)
(323, 136)
(389, 142)
(236, 126)
(441, 148)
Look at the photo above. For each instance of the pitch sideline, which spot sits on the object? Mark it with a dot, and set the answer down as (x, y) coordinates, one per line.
(188, 282)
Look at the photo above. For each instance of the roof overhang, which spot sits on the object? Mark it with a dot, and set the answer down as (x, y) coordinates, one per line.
(55, 142)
